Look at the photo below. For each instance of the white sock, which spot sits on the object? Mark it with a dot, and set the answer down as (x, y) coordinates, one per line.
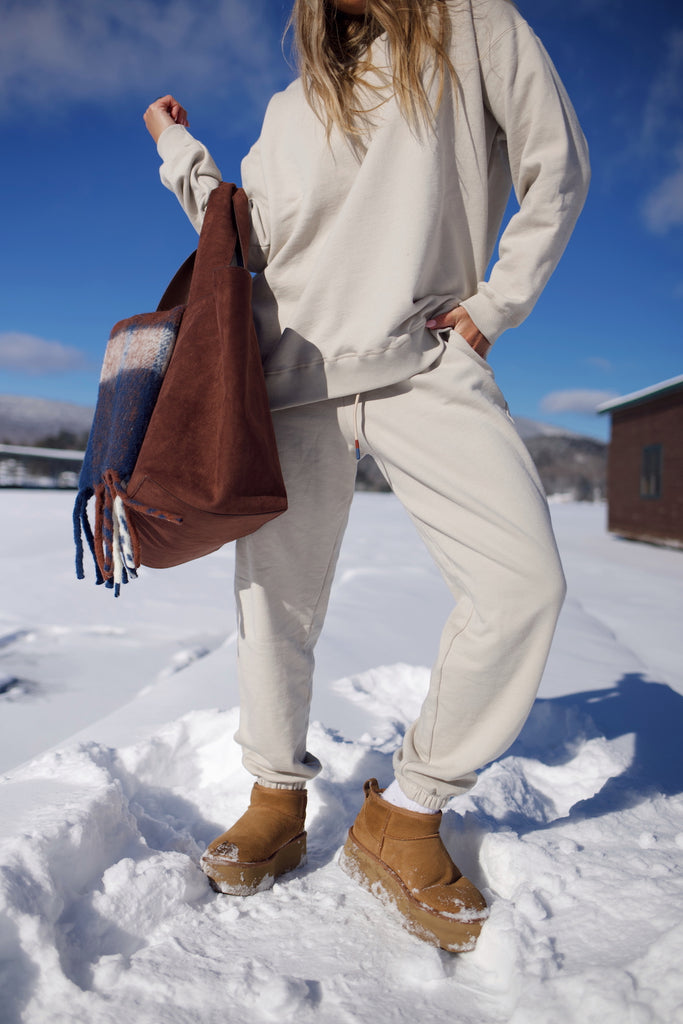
(393, 794)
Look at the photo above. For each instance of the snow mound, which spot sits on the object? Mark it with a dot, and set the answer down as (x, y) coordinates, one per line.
(107, 915)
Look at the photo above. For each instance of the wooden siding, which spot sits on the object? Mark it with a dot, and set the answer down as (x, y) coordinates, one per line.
(634, 510)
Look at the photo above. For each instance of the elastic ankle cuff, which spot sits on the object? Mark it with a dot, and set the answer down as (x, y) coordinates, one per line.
(394, 795)
(281, 785)
(427, 801)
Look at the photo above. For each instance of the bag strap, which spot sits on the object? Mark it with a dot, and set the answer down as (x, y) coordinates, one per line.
(179, 289)
(240, 207)
(224, 237)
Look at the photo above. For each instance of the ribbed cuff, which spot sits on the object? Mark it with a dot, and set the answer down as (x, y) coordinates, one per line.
(172, 137)
(393, 794)
(486, 317)
(281, 785)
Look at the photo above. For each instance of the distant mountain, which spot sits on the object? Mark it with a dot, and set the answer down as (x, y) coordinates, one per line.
(570, 464)
(25, 420)
(532, 428)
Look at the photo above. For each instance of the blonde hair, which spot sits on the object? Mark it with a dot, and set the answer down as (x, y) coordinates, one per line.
(332, 50)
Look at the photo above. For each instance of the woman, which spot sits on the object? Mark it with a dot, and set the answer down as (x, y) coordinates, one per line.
(377, 190)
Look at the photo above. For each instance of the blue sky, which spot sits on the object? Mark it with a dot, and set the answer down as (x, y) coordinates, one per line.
(90, 235)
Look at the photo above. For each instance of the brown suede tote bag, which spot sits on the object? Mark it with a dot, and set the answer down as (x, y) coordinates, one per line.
(207, 470)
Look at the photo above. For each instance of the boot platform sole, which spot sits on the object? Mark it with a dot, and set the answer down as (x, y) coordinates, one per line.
(451, 932)
(244, 878)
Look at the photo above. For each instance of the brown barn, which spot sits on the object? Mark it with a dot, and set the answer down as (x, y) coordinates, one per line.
(645, 464)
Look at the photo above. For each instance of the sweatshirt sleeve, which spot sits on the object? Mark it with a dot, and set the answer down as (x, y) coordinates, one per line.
(188, 171)
(548, 160)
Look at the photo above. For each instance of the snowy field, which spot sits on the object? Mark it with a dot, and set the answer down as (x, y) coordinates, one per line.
(116, 724)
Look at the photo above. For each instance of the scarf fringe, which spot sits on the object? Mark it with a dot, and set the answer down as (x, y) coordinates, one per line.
(82, 528)
(114, 544)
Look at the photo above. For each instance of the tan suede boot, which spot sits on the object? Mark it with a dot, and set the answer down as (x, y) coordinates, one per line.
(267, 841)
(398, 856)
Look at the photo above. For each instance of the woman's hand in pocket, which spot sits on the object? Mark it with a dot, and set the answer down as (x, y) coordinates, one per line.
(459, 320)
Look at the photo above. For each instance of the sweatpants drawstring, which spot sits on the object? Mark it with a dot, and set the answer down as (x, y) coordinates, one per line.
(355, 427)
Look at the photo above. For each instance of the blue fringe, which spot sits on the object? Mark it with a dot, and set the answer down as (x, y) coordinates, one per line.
(82, 526)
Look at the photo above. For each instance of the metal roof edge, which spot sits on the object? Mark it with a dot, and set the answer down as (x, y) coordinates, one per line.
(672, 384)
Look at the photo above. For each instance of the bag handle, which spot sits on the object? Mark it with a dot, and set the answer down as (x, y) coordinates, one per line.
(240, 207)
(179, 288)
(225, 236)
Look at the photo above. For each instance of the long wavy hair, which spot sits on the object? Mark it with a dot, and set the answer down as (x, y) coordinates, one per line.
(333, 58)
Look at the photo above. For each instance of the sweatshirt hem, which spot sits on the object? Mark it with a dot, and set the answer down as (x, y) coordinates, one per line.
(350, 374)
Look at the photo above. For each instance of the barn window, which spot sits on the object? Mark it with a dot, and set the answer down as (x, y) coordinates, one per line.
(651, 471)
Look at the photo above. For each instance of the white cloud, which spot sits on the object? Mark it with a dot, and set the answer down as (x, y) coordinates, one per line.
(56, 51)
(25, 353)
(663, 208)
(580, 400)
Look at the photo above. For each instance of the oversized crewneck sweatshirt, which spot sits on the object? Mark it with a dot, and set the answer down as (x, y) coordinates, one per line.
(354, 248)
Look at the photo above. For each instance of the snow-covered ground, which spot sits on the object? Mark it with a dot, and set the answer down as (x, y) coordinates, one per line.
(116, 724)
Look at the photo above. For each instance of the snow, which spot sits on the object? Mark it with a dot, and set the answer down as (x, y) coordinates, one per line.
(116, 725)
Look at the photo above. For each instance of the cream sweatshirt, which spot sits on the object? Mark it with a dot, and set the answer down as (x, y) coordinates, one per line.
(354, 249)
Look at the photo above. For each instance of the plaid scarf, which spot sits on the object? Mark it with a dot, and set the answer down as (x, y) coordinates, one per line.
(135, 361)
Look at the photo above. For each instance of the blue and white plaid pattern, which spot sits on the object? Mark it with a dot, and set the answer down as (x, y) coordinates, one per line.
(135, 362)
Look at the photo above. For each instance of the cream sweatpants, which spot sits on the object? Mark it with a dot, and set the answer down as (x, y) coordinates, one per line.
(449, 449)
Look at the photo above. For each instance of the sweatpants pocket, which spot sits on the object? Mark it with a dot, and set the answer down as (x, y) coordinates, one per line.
(464, 346)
